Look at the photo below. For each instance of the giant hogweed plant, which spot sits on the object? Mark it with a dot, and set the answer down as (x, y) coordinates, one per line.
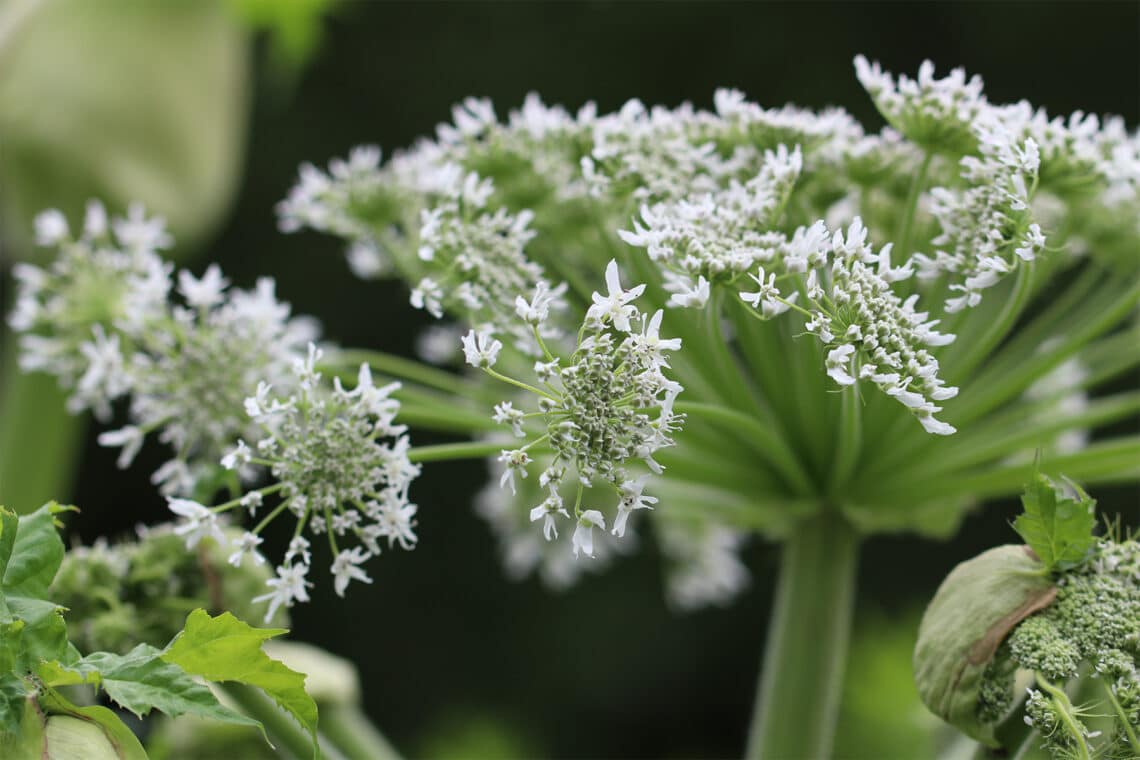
(701, 325)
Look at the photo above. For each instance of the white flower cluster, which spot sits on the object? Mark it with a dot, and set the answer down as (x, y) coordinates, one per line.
(719, 234)
(102, 320)
(476, 263)
(344, 202)
(871, 332)
(703, 563)
(609, 405)
(985, 228)
(67, 314)
(937, 114)
(329, 468)
(548, 554)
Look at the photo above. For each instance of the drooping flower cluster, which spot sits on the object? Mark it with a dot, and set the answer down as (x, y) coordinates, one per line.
(609, 406)
(330, 469)
(985, 229)
(870, 332)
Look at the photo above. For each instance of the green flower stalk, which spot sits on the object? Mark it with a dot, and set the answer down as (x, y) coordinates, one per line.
(723, 323)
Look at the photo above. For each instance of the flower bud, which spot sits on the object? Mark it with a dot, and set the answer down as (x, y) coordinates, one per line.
(975, 608)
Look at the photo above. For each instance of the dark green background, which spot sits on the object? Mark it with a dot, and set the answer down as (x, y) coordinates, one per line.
(442, 639)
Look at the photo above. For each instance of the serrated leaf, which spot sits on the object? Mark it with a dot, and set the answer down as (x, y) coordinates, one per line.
(125, 743)
(36, 553)
(224, 648)
(1057, 527)
(44, 635)
(141, 681)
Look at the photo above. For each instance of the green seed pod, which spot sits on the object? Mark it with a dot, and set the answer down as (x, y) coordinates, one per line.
(975, 608)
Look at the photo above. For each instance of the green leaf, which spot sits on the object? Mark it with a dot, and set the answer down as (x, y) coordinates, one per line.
(36, 554)
(8, 525)
(44, 633)
(140, 681)
(13, 695)
(22, 739)
(224, 648)
(1058, 528)
(125, 743)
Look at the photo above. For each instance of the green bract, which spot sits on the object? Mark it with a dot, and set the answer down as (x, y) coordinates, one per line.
(972, 613)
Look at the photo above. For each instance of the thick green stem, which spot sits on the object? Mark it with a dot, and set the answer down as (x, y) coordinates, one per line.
(289, 739)
(797, 702)
(353, 734)
(39, 440)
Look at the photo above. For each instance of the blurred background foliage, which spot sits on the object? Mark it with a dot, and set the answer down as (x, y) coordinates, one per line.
(205, 109)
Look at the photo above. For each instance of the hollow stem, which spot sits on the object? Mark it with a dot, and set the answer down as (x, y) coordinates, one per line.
(797, 702)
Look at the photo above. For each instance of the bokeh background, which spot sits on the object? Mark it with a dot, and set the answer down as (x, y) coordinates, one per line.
(457, 660)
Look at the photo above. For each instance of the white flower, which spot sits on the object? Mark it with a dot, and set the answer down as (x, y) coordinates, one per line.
(204, 293)
(139, 234)
(631, 498)
(289, 586)
(130, 438)
(614, 306)
(199, 522)
(547, 511)
(1032, 244)
(839, 364)
(693, 297)
(506, 414)
(245, 544)
(480, 349)
(252, 501)
(537, 309)
(768, 296)
(51, 227)
(95, 220)
(583, 539)
(298, 547)
(429, 297)
(345, 568)
(513, 461)
(239, 456)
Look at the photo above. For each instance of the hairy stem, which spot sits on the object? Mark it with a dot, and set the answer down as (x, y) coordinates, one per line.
(797, 702)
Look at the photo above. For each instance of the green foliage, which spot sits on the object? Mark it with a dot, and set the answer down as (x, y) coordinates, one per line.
(36, 659)
(139, 591)
(1057, 527)
(224, 648)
